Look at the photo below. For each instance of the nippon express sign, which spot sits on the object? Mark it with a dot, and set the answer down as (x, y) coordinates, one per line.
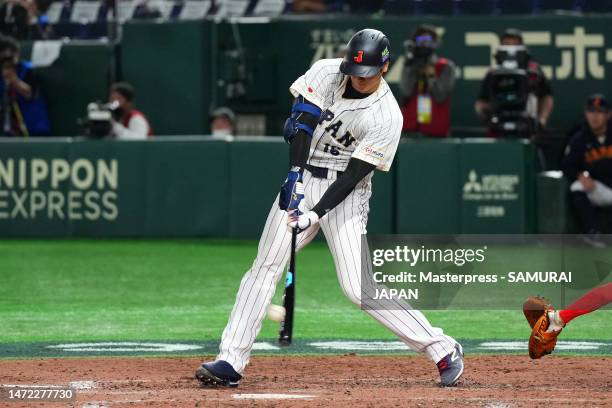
(58, 189)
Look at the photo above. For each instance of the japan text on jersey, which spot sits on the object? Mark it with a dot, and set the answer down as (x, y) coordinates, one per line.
(368, 129)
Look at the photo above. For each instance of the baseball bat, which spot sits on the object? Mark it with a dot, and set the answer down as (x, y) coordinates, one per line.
(286, 329)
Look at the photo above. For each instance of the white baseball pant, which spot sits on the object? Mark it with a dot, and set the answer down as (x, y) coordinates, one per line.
(343, 228)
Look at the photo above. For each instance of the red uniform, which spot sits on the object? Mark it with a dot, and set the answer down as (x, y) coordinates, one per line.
(439, 124)
(125, 121)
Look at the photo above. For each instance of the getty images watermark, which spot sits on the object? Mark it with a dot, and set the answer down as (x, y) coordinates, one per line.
(477, 271)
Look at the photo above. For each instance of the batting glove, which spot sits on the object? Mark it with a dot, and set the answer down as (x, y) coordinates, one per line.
(302, 221)
(292, 191)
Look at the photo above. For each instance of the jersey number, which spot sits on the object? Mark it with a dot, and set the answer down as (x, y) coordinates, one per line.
(331, 149)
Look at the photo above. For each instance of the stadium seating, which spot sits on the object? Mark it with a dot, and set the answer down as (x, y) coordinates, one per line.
(232, 8)
(164, 7)
(596, 6)
(84, 12)
(553, 5)
(194, 10)
(398, 7)
(86, 18)
(441, 7)
(54, 13)
(476, 7)
(516, 7)
(271, 8)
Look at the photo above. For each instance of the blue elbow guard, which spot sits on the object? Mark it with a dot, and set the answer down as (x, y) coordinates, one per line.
(293, 124)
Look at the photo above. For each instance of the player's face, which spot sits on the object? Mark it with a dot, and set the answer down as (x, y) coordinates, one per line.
(370, 84)
(116, 96)
(597, 120)
(511, 41)
(221, 123)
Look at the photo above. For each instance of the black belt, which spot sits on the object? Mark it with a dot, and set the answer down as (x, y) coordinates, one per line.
(322, 172)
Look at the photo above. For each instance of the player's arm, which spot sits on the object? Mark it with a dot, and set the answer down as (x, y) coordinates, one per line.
(442, 86)
(299, 128)
(482, 106)
(137, 129)
(546, 102)
(572, 162)
(336, 193)
(298, 131)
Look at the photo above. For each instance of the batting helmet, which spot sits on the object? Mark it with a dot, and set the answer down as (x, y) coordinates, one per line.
(366, 53)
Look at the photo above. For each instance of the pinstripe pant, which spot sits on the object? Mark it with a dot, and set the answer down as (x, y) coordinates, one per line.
(343, 227)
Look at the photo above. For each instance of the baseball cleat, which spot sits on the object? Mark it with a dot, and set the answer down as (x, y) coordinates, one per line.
(217, 373)
(451, 367)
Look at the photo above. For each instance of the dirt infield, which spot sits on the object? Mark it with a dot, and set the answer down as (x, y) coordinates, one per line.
(338, 381)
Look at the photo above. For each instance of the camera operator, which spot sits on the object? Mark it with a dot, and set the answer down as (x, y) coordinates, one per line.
(15, 16)
(24, 112)
(128, 123)
(426, 85)
(540, 101)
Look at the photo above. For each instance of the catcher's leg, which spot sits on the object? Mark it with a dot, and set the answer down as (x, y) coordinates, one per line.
(591, 301)
(586, 211)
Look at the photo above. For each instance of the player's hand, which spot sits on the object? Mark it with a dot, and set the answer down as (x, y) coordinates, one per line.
(430, 70)
(302, 221)
(292, 191)
(9, 74)
(587, 182)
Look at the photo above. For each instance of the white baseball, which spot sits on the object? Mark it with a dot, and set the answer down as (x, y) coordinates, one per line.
(276, 313)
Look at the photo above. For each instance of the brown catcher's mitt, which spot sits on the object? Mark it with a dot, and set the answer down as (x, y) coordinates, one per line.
(541, 342)
(536, 310)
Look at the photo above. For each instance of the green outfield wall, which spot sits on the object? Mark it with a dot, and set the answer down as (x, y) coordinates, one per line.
(191, 66)
(200, 187)
(182, 69)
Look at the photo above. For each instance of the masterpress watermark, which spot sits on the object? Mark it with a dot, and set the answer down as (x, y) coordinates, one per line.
(478, 271)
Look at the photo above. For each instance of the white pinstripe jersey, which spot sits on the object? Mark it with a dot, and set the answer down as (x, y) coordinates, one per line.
(368, 129)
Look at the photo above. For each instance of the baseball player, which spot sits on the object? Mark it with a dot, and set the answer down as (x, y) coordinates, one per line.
(546, 322)
(344, 124)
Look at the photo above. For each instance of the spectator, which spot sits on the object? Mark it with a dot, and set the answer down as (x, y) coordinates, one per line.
(24, 112)
(40, 28)
(588, 163)
(426, 85)
(15, 19)
(540, 100)
(310, 6)
(223, 123)
(364, 6)
(146, 11)
(128, 123)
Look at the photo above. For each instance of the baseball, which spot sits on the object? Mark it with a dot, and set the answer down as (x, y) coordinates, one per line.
(276, 313)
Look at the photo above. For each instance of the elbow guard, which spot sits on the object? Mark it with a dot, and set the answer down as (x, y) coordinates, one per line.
(304, 116)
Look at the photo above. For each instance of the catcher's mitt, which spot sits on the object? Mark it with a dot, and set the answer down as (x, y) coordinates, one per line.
(536, 310)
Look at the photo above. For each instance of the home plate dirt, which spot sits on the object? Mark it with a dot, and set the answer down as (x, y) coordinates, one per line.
(338, 381)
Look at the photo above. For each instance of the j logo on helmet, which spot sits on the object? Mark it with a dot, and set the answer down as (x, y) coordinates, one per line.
(359, 57)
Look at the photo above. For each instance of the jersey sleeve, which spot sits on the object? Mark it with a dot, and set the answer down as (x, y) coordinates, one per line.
(315, 84)
(379, 145)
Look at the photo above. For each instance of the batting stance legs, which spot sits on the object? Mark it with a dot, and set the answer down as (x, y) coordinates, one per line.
(342, 227)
